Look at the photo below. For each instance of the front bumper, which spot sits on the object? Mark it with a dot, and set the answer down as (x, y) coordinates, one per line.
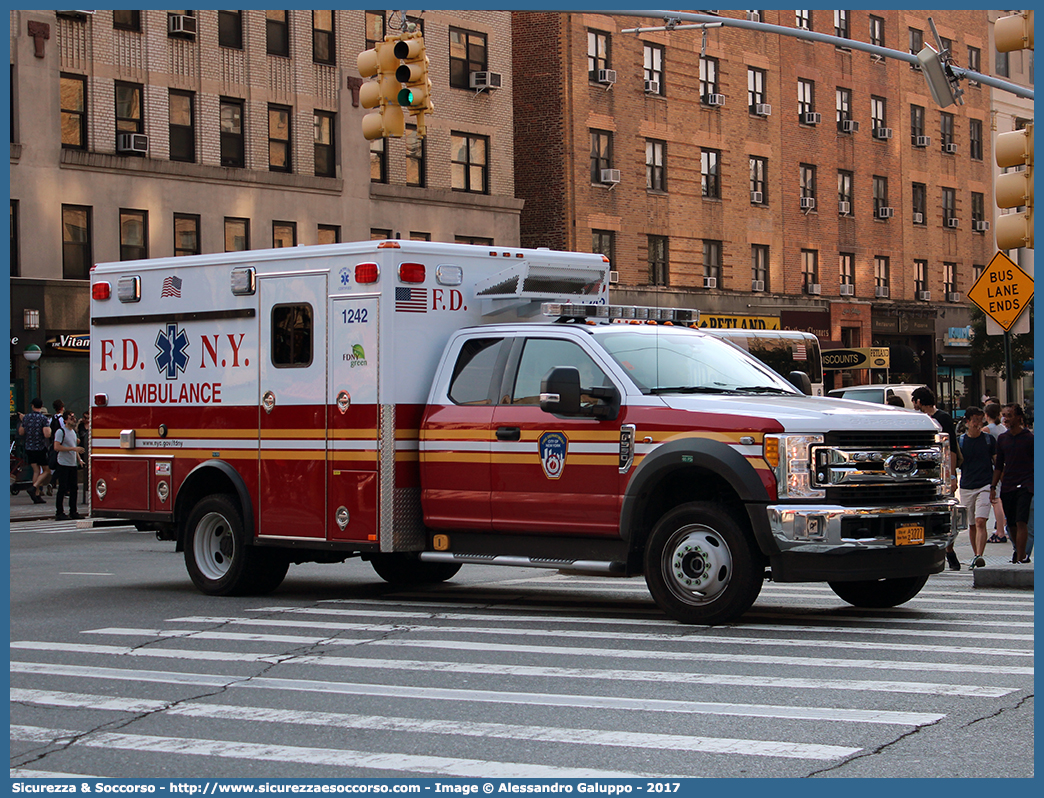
(833, 543)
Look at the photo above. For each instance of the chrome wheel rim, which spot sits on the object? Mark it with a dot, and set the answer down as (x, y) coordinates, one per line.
(696, 564)
(213, 546)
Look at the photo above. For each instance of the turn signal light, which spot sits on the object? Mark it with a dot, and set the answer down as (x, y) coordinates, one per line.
(101, 291)
(411, 272)
(367, 273)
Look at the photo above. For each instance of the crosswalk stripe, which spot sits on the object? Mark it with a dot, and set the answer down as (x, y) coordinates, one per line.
(391, 761)
(485, 696)
(572, 736)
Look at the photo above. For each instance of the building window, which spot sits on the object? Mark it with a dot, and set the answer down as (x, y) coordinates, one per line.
(379, 161)
(374, 28)
(916, 123)
(946, 128)
(237, 234)
(655, 178)
(328, 234)
(279, 138)
(182, 117)
(880, 195)
(419, 236)
(233, 148)
(134, 234)
(977, 270)
(73, 93)
(881, 269)
(759, 179)
(658, 263)
(708, 78)
(416, 158)
(469, 167)
(186, 234)
(846, 269)
(974, 63)
(126, 20)
(844, 106)
(759, 266)
(877, 36)
(978, 209)
(920, 276)
(710, 173)
(919, 203)
(878, 113)
(806, 97)
(1003, 65)
(468, 52)
(652, 60)
(284, 234)
(14, 238)
(379, 234)
(323, 50)
(128, 108)
(949, 205)
(841, 24)
(475, 241)
(325, 161)
(949, 278)
(809, 267)
(277, 33)
(601, 153)
(171, 33)
(712, 261)
(844, 191)
(807, 175)
(602, 243)
(803, 20)
(230, 29)
(76, 242)
(755, 88)
(975, 138)
(597, 53)
(916, 39)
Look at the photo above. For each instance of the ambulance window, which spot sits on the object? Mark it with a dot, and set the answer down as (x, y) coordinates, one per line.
(292, 330)
(474, 370)
(543, 354)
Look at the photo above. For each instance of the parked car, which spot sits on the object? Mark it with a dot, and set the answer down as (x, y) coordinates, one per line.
(879, 394)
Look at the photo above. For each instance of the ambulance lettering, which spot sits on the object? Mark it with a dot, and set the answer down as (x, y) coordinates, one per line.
(553, 446)
(452, 299)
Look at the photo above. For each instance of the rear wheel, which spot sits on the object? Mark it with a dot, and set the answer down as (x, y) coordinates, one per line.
(881, 592)
(700, 566)
(405, 569)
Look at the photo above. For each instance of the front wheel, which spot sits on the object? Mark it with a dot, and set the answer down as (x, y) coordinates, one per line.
(879, 593)
(700, 566)
(404, 569)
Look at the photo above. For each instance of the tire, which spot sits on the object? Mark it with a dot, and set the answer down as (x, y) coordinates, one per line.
(881, 592)
(700, 566)
(402, 569)
(218, 554)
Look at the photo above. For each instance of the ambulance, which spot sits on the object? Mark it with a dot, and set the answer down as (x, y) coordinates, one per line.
(423, 406)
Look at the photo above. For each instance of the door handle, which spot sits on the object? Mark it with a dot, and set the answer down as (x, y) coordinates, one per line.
(509, 434)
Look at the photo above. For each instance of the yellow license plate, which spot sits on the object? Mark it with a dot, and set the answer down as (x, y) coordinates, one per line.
(909, 535)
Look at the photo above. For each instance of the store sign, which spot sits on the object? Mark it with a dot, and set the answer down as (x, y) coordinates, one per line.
(862, 358)
(815, 322)
(958, 336)
(76, 343)
(723, 321)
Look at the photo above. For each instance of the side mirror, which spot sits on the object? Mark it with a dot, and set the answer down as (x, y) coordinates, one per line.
(560, 391)
(800, 380)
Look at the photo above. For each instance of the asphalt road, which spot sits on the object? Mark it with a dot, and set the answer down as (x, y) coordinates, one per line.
(119, 668)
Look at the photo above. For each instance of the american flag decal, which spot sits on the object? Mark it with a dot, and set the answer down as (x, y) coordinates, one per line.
(800, 352)
(172, 287)
(411, 300)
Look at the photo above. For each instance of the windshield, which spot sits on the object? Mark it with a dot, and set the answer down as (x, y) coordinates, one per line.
(678, 361)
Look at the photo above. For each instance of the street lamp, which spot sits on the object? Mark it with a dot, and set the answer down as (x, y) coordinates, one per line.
(32, 353)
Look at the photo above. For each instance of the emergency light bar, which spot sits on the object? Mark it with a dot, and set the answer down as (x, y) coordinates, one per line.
(621, 313)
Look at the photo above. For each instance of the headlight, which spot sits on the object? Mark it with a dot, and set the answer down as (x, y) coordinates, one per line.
(790, 457)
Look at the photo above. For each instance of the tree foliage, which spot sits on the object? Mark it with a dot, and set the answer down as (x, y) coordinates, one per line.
(987, 351)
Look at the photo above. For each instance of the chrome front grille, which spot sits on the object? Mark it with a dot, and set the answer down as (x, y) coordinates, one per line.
(866, 466)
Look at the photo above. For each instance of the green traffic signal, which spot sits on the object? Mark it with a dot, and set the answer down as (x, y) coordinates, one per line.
(406, 97)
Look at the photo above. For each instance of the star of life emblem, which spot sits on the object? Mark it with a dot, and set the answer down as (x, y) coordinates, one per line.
(172, 356)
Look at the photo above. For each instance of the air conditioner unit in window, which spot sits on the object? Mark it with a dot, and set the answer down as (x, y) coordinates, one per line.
(811, 118)
(844, 208)
(763, 109)
(808, 203)
(846, 289)
(753, 16)
(882, 133)
(485, 80)
(652, 87)
(924, 296)
(607, 76)
(611, 176)
(132, 142)
(710, 282)
(757, 285)
(813, 288)
(614, 277)
(918, 218)
(953, 296)
(756, 198)
(980, 226)
(849, 126)
(881, 292)
(181, 23)
(953, 222)
(922, 141)
(714, 99)
(950, 148)
(885, 213)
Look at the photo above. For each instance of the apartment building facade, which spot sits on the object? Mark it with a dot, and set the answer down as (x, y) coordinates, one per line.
(162, 133)
(764, 179)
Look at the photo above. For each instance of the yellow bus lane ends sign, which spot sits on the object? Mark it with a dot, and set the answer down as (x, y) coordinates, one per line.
(1002, 291)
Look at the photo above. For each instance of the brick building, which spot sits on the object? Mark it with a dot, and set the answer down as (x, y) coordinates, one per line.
(762, 178)
(154, 133)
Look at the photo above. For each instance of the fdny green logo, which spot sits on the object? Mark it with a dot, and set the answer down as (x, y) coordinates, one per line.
(357, 357)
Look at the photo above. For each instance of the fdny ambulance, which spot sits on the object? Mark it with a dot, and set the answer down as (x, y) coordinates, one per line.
(424, 405)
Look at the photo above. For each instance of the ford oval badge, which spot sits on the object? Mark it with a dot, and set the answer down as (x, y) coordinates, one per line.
(901, 466)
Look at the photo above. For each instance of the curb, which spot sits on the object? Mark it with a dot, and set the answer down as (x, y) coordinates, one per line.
(1017, 576)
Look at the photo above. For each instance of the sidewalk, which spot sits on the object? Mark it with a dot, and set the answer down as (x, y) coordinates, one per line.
(23, 508)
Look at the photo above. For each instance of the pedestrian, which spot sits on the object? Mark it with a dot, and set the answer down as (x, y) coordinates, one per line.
(57, 422)
(83, 435)
(977, 449)
(924, 400)
(1014, 472)
(895, 401)
(995, 428)
(69, 451)
(33, 425)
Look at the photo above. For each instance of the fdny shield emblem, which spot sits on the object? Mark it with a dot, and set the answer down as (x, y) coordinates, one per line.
(553, 446)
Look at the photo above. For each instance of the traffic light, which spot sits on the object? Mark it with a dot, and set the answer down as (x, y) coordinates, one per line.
(1014, 32)
(942, 83)
(416, 96)
(382, 94)
(1015, 189)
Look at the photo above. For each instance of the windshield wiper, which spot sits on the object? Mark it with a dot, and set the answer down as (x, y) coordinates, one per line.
(691, 389)
(763, 389)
